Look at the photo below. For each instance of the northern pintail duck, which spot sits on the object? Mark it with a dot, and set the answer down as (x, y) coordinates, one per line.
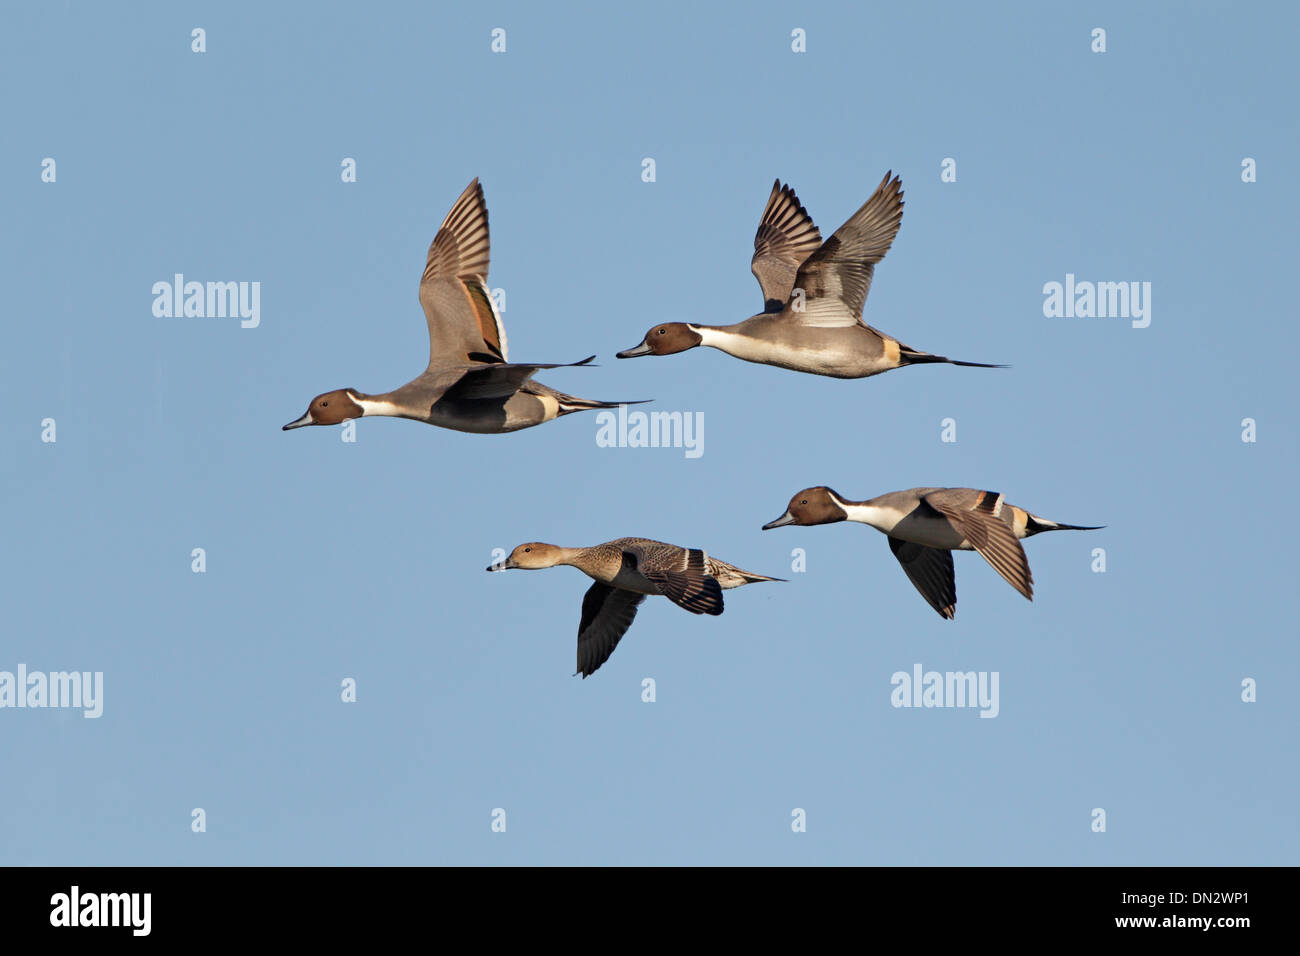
(469, 384)
(813, 295)
(626, 570)
(925, 525)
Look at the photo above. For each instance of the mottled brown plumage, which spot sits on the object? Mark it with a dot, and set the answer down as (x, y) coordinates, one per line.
(626, 570)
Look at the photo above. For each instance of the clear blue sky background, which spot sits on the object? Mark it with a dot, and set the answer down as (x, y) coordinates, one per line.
(328, 560)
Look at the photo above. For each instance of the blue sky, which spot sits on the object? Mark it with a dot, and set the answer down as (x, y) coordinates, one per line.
(328, 560)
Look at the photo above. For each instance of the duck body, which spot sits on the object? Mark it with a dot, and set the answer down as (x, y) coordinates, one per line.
(906, 516)
(925, 525)
(609, 564)
(813, 295)
(493, 416)
(626, 571)
(855, 351)
(426, 399)
(469, 384)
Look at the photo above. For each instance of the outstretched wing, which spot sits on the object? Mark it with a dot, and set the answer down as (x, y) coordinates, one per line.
(835, 279)
(499, 380)
(471, 381)
(786, 237)
(977, 516)
(464, 325)
(607, 613)
(688, 584)
(930, 571)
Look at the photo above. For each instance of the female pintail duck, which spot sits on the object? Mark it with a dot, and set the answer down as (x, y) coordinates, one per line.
(925, 525)
(626, 570)
(469, 384)
(813, 291)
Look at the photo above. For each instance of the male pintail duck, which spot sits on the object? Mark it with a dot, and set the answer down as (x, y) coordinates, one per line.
(469, 384)
(625, 571)
(813, 293)
(925, 525)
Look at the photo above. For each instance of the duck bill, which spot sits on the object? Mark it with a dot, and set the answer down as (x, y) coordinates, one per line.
(298, 423)
(780, 522)
(642, 349)
(505, 565)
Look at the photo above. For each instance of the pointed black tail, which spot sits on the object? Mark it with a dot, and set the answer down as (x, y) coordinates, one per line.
(1038, 525)
(570, 404)
(910, 357)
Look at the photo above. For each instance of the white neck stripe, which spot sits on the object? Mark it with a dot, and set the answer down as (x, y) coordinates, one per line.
(369, 406)
(882, 519)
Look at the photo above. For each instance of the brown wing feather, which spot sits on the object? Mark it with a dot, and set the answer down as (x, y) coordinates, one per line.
(461, 249)
(837, 277)
(489, 323)
(691, 587)
(981, 525)
(931, 573)
(453, 287)
(786, 236)
(607, 613)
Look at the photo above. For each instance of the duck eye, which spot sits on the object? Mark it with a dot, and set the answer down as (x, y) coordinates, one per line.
(323, 404)
(662, 331)
(804, 502)
(526, 550)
